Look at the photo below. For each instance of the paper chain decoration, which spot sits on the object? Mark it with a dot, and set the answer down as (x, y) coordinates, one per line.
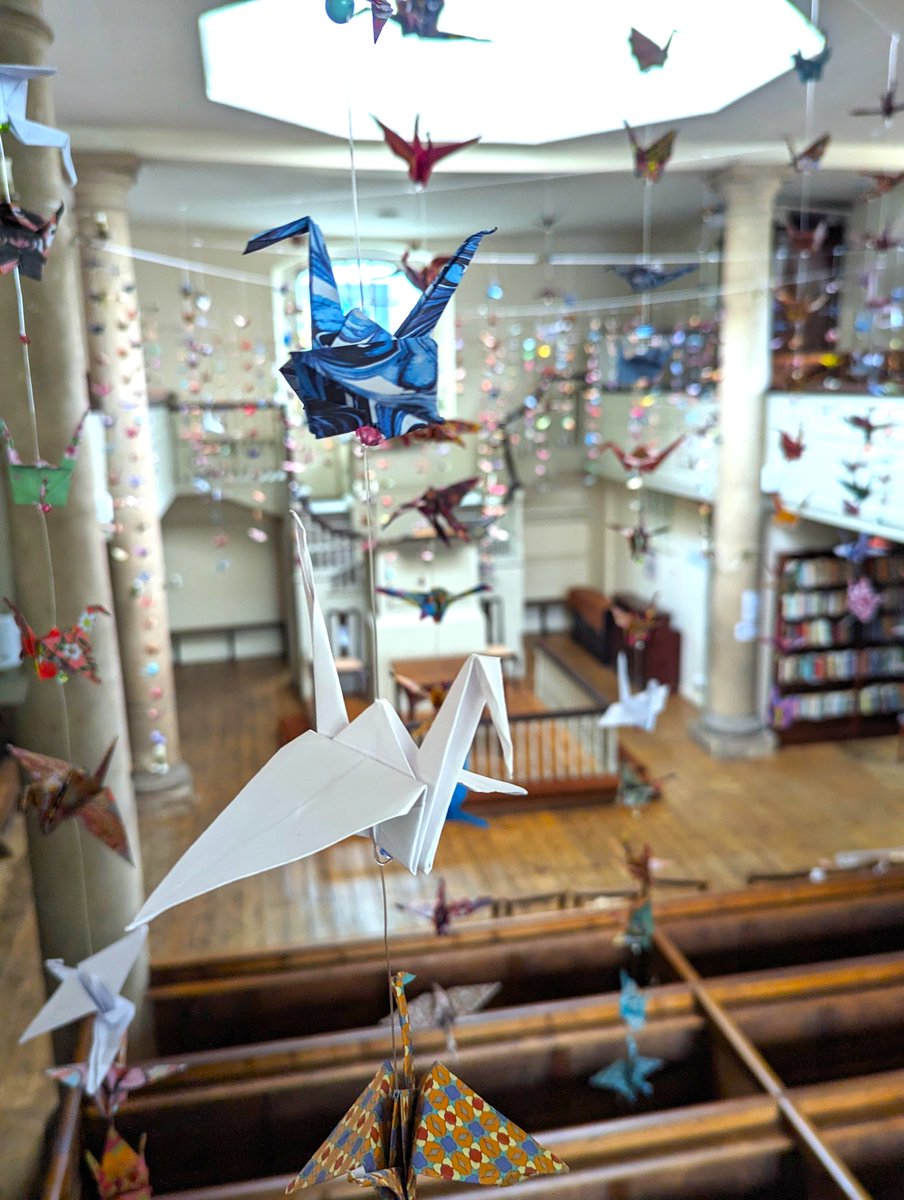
(41, 483)
(57, 791)
(364, 777)
(357, 376)
(399, 1129)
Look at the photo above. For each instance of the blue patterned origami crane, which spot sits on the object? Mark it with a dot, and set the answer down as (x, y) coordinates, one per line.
(358, 377)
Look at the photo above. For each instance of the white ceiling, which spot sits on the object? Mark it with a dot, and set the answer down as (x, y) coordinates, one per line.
(130, 78)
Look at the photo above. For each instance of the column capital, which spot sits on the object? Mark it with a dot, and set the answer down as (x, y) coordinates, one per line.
(745, 182)
(105, 179)
(26, 21)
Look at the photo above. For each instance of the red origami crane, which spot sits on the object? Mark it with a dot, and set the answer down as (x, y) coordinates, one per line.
(438, 506)
(449, 431)
(422, 277)
(642, 459)
(792, 448)
(421, 157)
(60, 652)
(636, 626)
(809, 159)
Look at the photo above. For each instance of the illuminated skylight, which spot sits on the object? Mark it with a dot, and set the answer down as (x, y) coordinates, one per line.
(560, 72)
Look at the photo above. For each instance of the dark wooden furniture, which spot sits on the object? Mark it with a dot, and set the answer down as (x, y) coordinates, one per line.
(593, 627)
(833, 676)
(782, 1080)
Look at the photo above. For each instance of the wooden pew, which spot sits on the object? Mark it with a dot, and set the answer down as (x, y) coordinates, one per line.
(540, 957)
(536, 1076)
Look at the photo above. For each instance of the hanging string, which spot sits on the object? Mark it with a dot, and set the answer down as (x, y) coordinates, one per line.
(645, 244)
(371, 578)
(45, 538)
(872, 16)
(893, 62)
(381, 860)
(354, 175)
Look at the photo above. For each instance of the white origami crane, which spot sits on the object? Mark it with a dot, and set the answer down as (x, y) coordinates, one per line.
(366, 777)
(13, 98)
(93, 986)
(635, 708)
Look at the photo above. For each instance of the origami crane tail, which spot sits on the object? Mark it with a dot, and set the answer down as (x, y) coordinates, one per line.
(329, 704)
(624, 683)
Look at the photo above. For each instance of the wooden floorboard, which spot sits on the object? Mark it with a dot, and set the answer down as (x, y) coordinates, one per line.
(718, 820)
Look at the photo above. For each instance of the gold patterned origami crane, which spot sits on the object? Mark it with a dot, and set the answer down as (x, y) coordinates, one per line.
(398, 1129)
(122, 1172)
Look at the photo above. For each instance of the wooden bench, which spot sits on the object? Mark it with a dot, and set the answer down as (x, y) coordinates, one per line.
(538, 957)
(273, 1121)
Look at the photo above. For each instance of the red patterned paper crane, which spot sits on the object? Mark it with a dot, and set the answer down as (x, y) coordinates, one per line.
(421, 157)
(60, 652)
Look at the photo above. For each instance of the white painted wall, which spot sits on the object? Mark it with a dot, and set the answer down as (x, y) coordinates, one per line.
(201, 597)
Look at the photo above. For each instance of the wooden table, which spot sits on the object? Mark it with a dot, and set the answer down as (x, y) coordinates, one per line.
(436, 672)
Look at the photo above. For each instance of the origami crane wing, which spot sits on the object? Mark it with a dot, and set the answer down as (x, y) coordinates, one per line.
(314, 792)
(647, 52)
(464, 907)
(71, 1001)
(407, 151)
(432, 304)
(47, 776)
(360, 1141)
(421, 600)
(496, 1152)
(102, 819)
(13, 99)
(809, 158)
(413, 839)
(628, 1076)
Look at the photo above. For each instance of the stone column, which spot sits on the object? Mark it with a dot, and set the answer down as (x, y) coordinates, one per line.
(732, 724)
(119, 385)
(84, 893)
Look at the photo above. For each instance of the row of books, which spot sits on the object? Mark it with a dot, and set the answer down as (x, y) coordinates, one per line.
(870, 701)
(841, 665)
(798, 606)
(829, 571)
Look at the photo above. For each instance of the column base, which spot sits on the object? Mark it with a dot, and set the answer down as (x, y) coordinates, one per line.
(733, 743)
(174, 784)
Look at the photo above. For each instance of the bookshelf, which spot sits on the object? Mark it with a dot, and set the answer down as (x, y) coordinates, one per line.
(833, 676)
